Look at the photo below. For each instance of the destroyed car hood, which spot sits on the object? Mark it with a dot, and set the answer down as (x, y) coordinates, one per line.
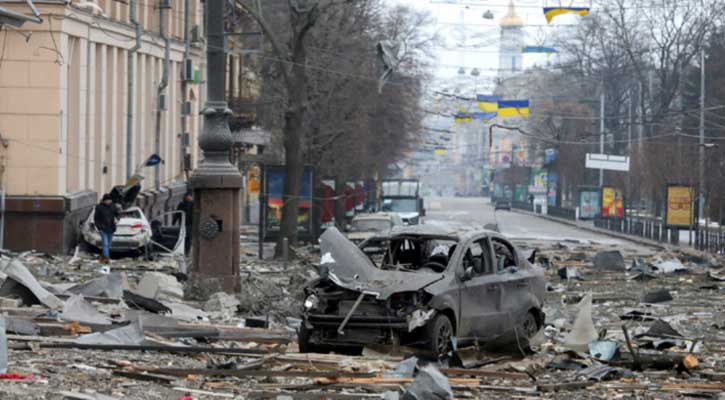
(350, 268)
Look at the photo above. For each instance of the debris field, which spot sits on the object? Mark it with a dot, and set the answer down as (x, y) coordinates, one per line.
(644, 324)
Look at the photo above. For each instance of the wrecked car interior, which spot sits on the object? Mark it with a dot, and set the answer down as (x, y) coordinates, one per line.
(421, 287)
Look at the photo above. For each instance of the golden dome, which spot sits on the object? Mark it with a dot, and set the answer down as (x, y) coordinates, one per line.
(511, 19)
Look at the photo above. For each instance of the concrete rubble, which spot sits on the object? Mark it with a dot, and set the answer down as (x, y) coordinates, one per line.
(139, 333)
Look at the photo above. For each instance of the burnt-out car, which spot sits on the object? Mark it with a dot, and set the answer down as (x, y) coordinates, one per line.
(421, 287)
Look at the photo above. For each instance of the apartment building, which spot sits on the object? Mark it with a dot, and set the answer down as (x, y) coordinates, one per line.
(83, 101)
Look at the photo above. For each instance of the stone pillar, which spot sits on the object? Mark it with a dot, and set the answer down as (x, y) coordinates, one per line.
(216, 182)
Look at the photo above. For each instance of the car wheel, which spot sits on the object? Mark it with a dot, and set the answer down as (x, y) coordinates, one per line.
(529, 327)
(439, 332)
(148, 255)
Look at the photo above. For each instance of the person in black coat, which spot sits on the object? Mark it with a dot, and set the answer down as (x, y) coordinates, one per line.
(105, 219)
(187, 206)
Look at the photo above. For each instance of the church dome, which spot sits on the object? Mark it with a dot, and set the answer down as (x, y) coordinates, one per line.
(511, 19)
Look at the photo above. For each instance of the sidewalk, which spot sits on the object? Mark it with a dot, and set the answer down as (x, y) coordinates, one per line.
(585, 225)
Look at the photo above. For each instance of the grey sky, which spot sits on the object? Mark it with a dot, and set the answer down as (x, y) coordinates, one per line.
(482, 35)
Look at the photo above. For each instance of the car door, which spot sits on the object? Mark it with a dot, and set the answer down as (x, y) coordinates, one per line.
(168, 237)
(480, 293)
(514, 282)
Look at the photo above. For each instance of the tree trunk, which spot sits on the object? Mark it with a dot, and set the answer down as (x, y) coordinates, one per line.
(293, 131)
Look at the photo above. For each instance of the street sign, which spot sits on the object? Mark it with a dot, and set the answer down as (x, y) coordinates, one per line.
(608, 162)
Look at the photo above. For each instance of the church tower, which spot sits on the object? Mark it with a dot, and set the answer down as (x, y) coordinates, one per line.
(512, 42)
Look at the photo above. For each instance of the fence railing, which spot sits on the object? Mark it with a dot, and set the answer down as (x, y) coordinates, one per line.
(521, 205)
(710, 239)
(645, 227)
(561, 212)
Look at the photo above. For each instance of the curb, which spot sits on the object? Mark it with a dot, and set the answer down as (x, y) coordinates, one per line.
(634, 239)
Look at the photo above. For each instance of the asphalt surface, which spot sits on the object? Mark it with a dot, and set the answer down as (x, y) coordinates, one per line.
(516, 226)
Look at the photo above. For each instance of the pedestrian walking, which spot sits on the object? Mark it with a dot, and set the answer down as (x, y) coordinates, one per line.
(187, 206)
(105, 218)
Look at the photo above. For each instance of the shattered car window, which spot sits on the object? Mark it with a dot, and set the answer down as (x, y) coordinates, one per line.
(131, 214)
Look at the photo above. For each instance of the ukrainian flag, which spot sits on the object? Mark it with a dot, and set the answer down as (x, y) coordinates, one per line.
(462, 117)
(513, 108)
(551, 12)
(484, 116)
(488, 104)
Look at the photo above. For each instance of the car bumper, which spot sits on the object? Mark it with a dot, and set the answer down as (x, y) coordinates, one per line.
(119, 243)
(359, 330)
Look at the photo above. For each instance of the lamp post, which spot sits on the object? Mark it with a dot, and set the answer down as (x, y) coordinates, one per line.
(216, 182)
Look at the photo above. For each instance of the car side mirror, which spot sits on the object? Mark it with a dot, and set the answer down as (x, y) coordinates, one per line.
(468, 274)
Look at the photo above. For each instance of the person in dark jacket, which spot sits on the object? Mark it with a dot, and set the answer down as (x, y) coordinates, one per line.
(187, 206)
(105, 218)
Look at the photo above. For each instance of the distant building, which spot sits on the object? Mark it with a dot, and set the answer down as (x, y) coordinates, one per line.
(510, 60)
(64, 87)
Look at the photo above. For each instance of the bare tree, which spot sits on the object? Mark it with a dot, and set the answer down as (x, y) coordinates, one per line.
(323, 70)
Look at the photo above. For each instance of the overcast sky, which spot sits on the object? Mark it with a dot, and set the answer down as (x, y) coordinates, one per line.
(461, 21)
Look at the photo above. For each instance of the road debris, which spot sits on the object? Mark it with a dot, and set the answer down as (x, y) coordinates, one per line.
(167, 347)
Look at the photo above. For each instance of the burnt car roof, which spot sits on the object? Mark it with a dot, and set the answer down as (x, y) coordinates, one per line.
(457, 233)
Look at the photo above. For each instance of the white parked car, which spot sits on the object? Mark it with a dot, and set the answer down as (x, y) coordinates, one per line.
(365, 226)
(134, 232)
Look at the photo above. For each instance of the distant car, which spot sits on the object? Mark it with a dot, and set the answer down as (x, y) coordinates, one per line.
(422, 286)
(365, 226)
(134, 232)
(502, 205)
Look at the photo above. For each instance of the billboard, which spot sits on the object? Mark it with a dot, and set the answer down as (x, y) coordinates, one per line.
(612, 203)
(588, 203)
(680, 206)
(274, 182)
(521, 193)
(538, 181)
(551, 182)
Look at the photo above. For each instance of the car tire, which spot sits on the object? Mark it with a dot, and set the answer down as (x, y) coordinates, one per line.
(528, 328)
(439, 332)
(148, 254)
(303, 340)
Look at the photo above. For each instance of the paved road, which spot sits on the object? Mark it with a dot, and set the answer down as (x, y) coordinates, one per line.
(441, 210)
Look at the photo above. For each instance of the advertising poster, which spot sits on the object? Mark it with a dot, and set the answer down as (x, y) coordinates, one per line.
(538, 181)
(588, 204)
(327, 203)
(612, 203)
(254, 181)
(275, 187)
(521, 193)
(552, 182)
(680, 206)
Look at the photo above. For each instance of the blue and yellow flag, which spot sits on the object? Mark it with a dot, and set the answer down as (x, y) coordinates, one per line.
(487, 103)
(513, 108)
(551, 12)
(484, 116)
(462, 117)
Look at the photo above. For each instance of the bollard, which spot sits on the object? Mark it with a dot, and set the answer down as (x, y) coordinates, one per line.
(3, 347)
(285, 251)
